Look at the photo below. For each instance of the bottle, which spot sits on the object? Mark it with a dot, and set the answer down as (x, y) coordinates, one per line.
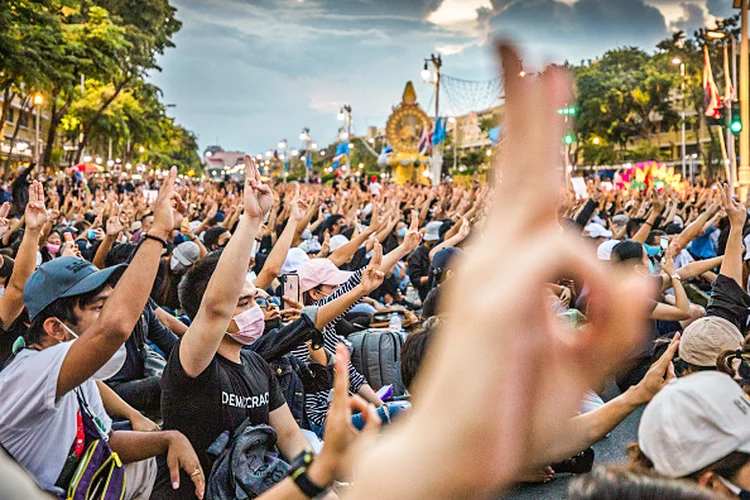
(394, 324)
(411, 294)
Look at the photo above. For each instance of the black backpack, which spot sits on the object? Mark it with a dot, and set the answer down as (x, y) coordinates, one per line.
(376, 354)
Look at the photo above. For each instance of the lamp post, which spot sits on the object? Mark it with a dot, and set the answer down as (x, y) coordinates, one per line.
(678, 62)
(38, 101)
(437, 63)
(305, 138)
(346, 115)
(283, 145)
(744, 170)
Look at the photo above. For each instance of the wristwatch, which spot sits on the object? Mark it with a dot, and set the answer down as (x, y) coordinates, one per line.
(298, 472)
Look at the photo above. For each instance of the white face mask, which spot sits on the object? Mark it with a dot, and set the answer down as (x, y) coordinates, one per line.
(113, 364)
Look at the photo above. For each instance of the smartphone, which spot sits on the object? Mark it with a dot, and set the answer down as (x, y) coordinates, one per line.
(664, 242)
(291, 287)
(92, 234)
(68, 237)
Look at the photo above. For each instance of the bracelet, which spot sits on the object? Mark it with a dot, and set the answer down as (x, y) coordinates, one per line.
(676, 276)
(648, 223)
(156, 238)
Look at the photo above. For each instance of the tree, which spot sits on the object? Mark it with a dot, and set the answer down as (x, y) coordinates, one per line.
(148, 28)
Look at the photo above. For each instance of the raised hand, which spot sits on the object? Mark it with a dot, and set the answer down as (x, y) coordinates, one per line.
(36, 212)
(4, 223)
(258, 196)
(736, 211)
(167, 203)
(298, 204)
(372, 277)
(413, 237)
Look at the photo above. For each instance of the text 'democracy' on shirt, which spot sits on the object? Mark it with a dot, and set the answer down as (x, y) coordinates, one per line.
(218, 399)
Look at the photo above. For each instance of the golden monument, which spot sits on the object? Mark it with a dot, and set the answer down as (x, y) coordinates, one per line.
(407, 127)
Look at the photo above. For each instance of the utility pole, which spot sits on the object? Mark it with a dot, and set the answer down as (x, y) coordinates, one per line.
(346, 115)
(744, 170)
(437, 160)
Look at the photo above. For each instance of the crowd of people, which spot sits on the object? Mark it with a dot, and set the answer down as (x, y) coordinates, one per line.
(173, 338)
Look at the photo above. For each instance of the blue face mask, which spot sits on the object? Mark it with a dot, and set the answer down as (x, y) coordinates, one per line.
(401, 232)
(651, 251)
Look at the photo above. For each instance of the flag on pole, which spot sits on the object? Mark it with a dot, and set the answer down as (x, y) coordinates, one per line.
(711, 99)
(728, 88)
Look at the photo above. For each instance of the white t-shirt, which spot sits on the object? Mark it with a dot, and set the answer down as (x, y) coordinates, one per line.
(375, 188)
(37, 430)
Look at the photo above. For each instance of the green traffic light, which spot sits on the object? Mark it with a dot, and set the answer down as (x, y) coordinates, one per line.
(735, 126)
(568, 139)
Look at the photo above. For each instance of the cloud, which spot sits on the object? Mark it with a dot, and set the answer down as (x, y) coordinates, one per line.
(252, 72)
(694, 17)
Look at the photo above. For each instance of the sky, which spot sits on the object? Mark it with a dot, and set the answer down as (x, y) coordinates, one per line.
(246, 74)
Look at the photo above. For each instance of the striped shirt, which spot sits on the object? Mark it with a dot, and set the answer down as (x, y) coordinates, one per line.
(316, 404)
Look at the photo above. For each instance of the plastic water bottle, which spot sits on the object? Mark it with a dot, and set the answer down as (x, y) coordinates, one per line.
(411, 294)
(394, 324)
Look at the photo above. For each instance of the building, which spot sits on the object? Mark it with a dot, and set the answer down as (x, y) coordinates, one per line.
(218, 163)
(24, 149)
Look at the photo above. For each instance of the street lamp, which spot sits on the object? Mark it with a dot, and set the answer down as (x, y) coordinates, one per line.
(343, 135)
(426, 74)
(716, 34)
(38, 100)
(346, 115)
(678, 62)
(143, 150)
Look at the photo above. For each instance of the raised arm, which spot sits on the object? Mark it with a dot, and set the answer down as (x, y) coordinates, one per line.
(11, 303)
(695, 228)
(657, 206)
(115, 226)
(463, 232)
(201, 341)
(732, 265)
(272, 266)
(123, 308)
(411, 241)
(344, 253)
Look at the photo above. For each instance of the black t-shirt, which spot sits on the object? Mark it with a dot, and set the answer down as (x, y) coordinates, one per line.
(218, 399)
(419, 266)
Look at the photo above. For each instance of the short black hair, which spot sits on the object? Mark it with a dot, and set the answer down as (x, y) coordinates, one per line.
(654, 237)
(62, 309)
(211, 238)
(633, 226)
(627, 252)
(412, 354)
(193, 286)
(119, 254)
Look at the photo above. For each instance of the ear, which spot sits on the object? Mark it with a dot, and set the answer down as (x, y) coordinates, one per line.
(54, 329)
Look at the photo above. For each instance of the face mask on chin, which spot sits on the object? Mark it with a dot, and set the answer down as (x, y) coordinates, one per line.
(250, 325)
(113, 364)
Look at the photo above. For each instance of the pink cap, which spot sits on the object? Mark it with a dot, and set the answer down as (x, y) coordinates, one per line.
(316, 272)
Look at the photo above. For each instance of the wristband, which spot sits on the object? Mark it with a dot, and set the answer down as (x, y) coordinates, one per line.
(676, 276)
(163, 242)
(298, 472)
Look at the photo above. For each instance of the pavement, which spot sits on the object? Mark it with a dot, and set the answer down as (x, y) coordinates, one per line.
(610, 450)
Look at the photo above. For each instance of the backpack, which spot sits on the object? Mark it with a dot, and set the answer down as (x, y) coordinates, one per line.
(246, 463)
(376, 354)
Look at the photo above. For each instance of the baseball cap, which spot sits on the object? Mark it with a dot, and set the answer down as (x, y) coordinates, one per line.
(604, 251)
(295, 258)
(63, 277)
(693, 422)
(185, 254)
(432, 232)
(620, 220)
(338, 241)
(705, 338)
(595, 230)
(316, 272)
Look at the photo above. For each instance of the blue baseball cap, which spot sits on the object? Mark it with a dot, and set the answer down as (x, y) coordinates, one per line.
(63, 277)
